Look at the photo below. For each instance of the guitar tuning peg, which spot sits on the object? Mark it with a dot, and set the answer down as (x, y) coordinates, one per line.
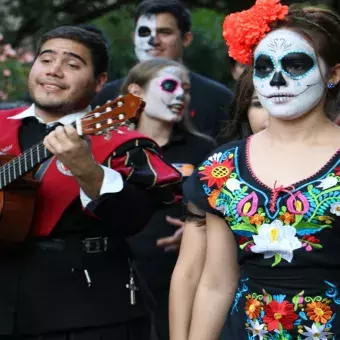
(120, 104)
(120, 96)
(108, 109)
(97, 114)
(132, 126)
(121, 116)
(107, 136)
(97, 106)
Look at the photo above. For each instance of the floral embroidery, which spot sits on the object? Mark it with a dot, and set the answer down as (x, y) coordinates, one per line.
(218, 171)
(276, 240)
(293, 223)
(335, 209)
(276, 317)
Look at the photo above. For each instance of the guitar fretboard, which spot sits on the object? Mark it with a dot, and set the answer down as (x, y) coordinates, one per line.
(22, 164)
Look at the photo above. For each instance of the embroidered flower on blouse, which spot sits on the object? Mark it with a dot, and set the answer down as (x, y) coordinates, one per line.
(327, 183)
(257, 329)
(279, 313)
(277, 240)
(319, 312)
(316, 332)
(253, 308)
(233, 184)
(217, 172)
(335, 209)
(287, 218)
(257, 219)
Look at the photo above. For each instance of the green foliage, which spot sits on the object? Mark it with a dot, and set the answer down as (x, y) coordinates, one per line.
(118, 27)
(14, 69)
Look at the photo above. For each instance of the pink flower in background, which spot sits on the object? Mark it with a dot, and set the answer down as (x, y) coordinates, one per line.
(3, 95)
(1, 37)
(27, 57)
(2, 57)
(9, 51)
(6, 72)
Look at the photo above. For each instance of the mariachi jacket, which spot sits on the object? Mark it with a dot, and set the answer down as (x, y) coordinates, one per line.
(45, 291)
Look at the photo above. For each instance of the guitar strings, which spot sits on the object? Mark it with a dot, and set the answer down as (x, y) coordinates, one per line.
(32, 152)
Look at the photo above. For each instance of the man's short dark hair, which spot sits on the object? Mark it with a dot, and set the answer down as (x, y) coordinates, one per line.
(93, 41)
(174, 7)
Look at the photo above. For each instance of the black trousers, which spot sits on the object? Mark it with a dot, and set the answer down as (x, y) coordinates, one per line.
(138, 329)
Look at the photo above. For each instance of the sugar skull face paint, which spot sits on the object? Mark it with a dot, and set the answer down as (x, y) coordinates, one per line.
(145, 34)
(287, 76)
(167, 95)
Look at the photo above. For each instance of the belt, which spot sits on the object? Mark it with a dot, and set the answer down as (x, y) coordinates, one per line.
(91, 245)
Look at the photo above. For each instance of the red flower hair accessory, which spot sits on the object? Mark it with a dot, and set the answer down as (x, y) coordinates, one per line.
(243, 31)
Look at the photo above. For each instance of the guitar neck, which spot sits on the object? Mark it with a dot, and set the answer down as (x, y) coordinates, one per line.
(22, 164)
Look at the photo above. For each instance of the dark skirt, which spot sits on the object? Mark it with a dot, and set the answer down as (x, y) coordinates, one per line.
(138, 329)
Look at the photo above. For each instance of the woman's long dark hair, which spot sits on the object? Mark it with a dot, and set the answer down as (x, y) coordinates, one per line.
(237, 126)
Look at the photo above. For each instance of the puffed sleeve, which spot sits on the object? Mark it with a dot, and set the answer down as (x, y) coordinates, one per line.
(149, 182)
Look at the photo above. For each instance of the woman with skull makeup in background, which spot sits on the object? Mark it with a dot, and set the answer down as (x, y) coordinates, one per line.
(271, 202)
(164, 85)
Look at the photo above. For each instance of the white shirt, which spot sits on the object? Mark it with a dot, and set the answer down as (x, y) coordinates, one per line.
(112, 182)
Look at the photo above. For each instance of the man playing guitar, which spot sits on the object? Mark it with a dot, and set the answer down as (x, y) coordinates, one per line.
(70, 274)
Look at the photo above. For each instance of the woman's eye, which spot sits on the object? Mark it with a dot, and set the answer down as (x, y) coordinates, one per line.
(169, 85)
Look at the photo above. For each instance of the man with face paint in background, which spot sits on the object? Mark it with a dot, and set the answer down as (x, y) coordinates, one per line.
(163, 29)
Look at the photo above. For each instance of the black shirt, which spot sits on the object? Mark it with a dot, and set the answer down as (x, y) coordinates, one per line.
(44, 290)
(185, 151)
(209, 104)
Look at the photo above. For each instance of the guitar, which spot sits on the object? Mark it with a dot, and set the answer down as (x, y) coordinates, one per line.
(18, 187)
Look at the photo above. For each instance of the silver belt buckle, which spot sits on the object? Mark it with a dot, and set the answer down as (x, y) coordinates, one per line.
(95, 245)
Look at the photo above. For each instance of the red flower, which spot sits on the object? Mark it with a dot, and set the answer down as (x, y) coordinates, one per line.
(311, 239)
(217, 173)
(337, 171)
(243, 31)
(277, 313)
(242, 240)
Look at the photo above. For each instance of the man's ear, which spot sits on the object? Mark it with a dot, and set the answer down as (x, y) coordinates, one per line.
(101, 80)
(135, 89)
(187, 38)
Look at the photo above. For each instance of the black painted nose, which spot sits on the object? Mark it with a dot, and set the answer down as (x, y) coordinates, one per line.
(152, 41)
(278, 80)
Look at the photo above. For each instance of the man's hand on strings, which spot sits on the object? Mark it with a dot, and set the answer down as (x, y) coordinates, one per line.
(75, 154)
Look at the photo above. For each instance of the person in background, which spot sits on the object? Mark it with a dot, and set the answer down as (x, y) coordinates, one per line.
(246, 116)
(73, 276)
(270, 203)
(236, 68)
(163, 29)
(165, 87)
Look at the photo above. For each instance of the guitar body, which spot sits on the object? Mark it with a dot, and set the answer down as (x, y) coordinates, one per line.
(17, 202)
(18, 188)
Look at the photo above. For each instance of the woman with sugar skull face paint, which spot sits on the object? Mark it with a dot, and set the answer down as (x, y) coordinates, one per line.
(271, 202)
(164, 85)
